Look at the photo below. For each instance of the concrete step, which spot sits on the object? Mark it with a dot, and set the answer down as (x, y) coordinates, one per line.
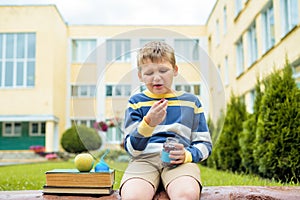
(16, 156)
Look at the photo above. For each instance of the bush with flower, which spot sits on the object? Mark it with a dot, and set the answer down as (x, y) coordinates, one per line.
(38, 149)
(101, 126)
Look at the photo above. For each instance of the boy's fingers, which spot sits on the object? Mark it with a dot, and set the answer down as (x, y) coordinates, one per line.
(179, 146)
(159, 106)
(164, 105)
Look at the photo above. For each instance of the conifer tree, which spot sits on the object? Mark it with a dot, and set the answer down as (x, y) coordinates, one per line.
(211, 128)
(247, 137)
(277, 137)
(215, 131)
(227, 147)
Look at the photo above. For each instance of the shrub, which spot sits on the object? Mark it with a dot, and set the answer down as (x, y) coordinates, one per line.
(247, 137)
(215, 131)
(79, 139)
(113, 154)
(227, 146)
(278, 128)
(211, 128)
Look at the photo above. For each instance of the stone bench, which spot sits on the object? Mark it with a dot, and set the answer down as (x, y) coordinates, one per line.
(208, 193)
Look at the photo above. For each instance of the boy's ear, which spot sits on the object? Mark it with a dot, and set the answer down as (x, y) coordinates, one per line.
(175, 70)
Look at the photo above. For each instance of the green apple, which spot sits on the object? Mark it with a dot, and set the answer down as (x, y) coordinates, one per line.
(84, 162)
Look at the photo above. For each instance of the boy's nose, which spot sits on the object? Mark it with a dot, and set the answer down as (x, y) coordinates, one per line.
(156, 77)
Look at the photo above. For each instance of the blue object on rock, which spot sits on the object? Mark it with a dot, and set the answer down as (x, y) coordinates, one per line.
(102, 166)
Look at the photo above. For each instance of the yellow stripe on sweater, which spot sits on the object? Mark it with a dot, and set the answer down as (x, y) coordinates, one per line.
(170, 103)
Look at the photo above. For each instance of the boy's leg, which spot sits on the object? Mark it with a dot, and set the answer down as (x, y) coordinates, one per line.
(141, 178)
(137, 188)
(183, 181)
(184, 187)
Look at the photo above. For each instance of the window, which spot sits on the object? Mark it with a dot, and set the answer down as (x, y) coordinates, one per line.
(118, 90)
(238, 6)
(251, 101)
(252, 45)
(268, 28)
(143, 88)
(86, 122)
(224, 20)
(17, 60)
(12, 129)
(109, 89)
(83, 90)
(82, 48)
(191, 88)
(217, 32)
(114, 135)
(239, 57)
(187, 50)
(289, 15)
(296, 72)
(226, 71)
(37, 128)
(118, 50)
(145, 41)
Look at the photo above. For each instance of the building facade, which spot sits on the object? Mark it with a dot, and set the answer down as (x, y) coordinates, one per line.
(248, 39)
(53, 75)
(32, 76)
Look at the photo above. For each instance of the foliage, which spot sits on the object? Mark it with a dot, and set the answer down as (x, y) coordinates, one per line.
(277, 136)
(247, 137)
(211, 128)
(227, 148)
(215, 131)
(79, 139)
(100, 126)
(268, 139)
(112, 155)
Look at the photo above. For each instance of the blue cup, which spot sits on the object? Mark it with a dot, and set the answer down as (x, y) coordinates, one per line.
(167, 147)
(165, 157)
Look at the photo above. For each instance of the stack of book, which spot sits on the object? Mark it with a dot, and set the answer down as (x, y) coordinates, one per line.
(71, 181)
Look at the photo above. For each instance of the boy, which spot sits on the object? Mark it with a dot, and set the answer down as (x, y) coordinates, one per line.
(151, 117)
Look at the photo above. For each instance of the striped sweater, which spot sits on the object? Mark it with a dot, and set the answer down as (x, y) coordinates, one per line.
(185, 120)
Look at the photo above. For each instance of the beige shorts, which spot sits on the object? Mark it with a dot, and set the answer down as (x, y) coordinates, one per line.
(149, 168)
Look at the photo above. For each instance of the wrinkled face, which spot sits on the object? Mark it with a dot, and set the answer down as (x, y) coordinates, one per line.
(158, 77)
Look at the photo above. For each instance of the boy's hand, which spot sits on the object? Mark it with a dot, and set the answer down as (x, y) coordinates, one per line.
(157, 113)
(178, 156)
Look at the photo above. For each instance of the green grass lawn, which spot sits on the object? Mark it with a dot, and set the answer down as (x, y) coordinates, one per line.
(32, 176)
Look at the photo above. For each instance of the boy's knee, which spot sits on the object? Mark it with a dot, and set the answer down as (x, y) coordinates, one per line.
(184, 188)
(135, 189)
(185, 194)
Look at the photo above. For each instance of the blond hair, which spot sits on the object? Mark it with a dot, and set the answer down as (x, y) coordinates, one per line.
(156, 51)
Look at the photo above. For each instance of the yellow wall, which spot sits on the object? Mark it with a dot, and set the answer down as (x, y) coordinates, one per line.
(83, 107)
(119, 72)
(48, 96)
(85, 74)
(109, 31)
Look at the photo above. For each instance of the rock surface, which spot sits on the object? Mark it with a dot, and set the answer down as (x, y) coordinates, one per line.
(208, 193)
(251, 193)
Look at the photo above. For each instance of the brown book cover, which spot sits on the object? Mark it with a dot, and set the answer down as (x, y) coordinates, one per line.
(77, 190)
(74, 178)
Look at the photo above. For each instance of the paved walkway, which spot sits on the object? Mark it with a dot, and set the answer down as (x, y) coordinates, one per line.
(14, 157)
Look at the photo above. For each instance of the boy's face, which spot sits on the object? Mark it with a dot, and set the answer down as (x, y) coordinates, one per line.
(158, 77)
